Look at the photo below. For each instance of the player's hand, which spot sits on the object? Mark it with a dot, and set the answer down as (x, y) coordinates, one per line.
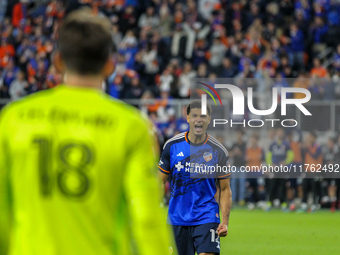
(222, 230)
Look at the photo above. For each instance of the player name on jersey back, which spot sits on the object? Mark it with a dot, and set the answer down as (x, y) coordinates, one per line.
(66, 116)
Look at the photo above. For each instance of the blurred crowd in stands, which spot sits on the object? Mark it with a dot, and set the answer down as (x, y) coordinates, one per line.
(162, 44)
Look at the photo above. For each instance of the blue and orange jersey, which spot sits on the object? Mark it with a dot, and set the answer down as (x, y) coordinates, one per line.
(192, 200)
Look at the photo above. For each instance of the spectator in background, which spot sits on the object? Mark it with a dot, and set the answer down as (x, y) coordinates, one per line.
(301, 82)
(128, 47)
(133, 90)
(312, 155)
(328, 188)
(279, 153)
(166, 79)
(138, 64)
(237, 153)
(205, 7)
(273, 14)
(3, 88)
(252, 15)
(166, 23)
(336, 60)
(182, 124)
(53, 78)
(149, 20)
(19, 12)
(294, 188)
(304, 7)
(297, 45)
(184, 80)
(333, 17)
(151, 64)
(202, 71)
(17, 88)
(3, 8)
(127, 19)
(279, 83)
(301, 21)
(271, 32)
(228, 69)
(200, 53)
(9, 73)
(255, 183)
(117, 36)
(319, 29)
(216, 52)
(194, 27)
(318, 71)
(6, 51)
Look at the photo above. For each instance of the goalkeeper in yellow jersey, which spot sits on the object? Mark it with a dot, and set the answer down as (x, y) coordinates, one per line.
(77, 168)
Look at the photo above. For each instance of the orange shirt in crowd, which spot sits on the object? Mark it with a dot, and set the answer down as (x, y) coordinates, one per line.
(254, 156)
(301, 83)
(320, 71)
(296, 148)
(17, 14)
(7, 50)
(310, 160)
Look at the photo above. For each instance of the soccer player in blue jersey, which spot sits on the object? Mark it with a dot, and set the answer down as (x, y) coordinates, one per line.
(195, 203)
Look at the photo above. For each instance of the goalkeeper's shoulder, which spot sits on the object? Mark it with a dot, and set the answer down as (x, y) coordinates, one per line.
(135, 122)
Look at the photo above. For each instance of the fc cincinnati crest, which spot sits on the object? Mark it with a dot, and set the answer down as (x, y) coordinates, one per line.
(207, 156)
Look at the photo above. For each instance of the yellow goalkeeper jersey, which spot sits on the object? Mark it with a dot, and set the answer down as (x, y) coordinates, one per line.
(77, 176)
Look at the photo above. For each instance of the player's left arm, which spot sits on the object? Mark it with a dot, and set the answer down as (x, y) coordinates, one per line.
(225, 205)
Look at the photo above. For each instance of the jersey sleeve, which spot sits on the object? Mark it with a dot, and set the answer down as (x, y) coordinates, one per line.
(143, 193)
(223, 161)
(5, 215)
(164, 162)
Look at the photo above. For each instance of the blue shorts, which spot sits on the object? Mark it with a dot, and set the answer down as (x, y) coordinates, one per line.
(200, 239)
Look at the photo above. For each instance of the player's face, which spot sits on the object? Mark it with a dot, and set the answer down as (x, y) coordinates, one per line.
(253, 141)
(198, 122)
(280, 134)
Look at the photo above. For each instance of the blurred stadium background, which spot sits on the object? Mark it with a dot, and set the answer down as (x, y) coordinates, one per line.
(163, 44)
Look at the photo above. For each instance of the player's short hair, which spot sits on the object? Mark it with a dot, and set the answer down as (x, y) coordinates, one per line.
(197, 104)
(85, 42)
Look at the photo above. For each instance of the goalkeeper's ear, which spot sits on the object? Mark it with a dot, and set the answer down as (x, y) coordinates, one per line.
(58, 63)
(108, 68)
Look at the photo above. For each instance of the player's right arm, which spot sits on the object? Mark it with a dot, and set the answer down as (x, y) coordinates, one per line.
(5, 210)
(142, 189)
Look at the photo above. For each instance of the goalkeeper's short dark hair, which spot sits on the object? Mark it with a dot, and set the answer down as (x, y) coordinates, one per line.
(85, 42)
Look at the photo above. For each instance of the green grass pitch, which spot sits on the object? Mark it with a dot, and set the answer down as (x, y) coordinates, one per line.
(276, 232)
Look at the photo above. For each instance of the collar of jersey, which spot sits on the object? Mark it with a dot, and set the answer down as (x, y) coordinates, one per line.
(195, 144)
(79, 88)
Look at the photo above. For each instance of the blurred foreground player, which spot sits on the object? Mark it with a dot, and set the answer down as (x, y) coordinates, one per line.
(195, 199)
(76, 167)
